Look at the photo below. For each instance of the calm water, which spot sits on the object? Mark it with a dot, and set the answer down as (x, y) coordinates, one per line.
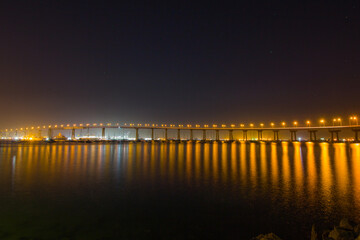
(176, 190)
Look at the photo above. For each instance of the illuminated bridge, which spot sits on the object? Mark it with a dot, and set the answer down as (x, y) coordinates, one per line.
(204, 130)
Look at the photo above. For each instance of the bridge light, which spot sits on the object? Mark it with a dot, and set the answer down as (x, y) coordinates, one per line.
(74, 125)
(232, 125)
(81, 124)
(214, 125)
(223, 125)
(295, 123)
(283, 124)
(251, 124)
(272, 124)
(308, 123)
(56, 126)
(242, 125)
(261, 125)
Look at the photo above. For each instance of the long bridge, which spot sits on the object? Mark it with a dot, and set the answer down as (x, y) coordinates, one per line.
(312, 131)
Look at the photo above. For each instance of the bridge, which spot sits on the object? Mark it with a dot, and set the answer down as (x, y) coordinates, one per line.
(334, 131)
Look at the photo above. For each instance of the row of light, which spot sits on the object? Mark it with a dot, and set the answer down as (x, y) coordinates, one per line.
(61, 126)
(352, 120)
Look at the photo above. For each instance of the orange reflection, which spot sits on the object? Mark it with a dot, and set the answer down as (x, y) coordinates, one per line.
(286, 168)
(355, 159)
(253, 164)
(326, 172)
(274, 164)
(298, 167)
(311, 169)
(243, 161)
(341, 168)
(264, 166)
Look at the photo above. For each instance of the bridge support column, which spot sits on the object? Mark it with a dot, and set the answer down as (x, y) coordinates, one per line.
(191, 135)
(217, 135)
(204, 135)
(276, 135)
(293, 135)
(152, 134)
(231, 135)
(332, 139)
(245, 135)
(50, 135)
(166, 134)
(356, 131)
(259, 135)
(312, 135)
(136, 134)
(73, 134)
(103, 133)
(39, 133)
(178, 135)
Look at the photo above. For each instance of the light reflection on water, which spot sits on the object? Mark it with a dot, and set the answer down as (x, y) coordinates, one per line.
(257, 187)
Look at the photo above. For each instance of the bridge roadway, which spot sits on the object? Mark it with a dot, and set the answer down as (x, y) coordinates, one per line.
(334, 130)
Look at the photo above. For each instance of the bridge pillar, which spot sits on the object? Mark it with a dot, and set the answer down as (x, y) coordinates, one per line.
(178, 134)
(312, 135)
(245, 135)
(356, 134)
(191, 134)
(204, 135)
(231, 135)
(152, 134)
(39, 133)
(259, 135)
(73, 134)
(136, 134)
(50, 136)
(166, 134)
(217, 135)
(103, 133)
(293, 135)
(332, 139)
(276, 135)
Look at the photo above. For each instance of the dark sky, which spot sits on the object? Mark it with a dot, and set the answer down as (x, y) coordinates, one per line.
(178, 62)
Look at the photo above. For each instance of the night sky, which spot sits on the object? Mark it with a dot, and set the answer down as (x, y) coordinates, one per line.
(178, 62)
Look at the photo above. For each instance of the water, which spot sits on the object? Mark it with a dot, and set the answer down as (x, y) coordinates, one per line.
(176, 190)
